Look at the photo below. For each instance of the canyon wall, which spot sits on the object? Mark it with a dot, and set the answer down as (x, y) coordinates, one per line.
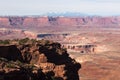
(58, 21)
(49, 57)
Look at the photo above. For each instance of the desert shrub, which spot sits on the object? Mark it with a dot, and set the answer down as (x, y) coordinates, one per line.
(33, 41)
(53, 78)
(27, 57)
(4, 42)
(19, 63)
(9, 65)
(29, 66)
(23, 41)
(43, 42)
(3, 59)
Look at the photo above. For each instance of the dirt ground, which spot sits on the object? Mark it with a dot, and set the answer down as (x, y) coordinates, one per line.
(105, 63)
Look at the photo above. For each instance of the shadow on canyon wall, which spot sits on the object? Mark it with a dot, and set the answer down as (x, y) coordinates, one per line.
(55, 55)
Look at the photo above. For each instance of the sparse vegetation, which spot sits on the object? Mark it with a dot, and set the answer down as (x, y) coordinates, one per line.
(23, 41)
(4, 41)
(9, 65)
(16, 64)
(3, 59)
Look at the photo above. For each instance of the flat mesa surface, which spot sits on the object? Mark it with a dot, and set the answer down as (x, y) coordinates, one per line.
(104, 64)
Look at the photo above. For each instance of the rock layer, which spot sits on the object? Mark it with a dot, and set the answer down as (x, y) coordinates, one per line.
(58, 21)
(48, 56)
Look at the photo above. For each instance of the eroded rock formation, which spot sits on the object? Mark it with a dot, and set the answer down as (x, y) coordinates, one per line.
(48, 56)
(16, 21)
(81, 48)
(7, 33)
(10, 70)
(58, 21)
(10, 52)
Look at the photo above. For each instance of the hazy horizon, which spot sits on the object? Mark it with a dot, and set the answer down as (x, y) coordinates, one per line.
(40, 7)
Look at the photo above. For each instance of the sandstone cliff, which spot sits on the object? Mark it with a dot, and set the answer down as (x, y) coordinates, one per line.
(58, 21)
(46, 55)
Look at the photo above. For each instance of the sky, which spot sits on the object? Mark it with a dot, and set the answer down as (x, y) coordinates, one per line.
(39, 7)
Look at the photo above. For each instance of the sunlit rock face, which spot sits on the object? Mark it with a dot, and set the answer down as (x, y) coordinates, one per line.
(4, 22)
(58, 21)
(7, 33)
(49, 57)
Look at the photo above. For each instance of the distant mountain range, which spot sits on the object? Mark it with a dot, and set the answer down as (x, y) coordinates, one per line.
(66, 14)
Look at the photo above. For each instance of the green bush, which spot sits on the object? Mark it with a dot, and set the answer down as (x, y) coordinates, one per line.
(23, 41)
(4, 42)
(9, 65)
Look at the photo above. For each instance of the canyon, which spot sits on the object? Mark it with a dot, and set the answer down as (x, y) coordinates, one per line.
(93, 41)
(59, 21)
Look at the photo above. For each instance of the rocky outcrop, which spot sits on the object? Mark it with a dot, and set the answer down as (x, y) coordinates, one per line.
(7, 33)
(4, 22)
(16, 21)
(10, 70)
(10, 52)
(81, 48)
(35, 22)
(46, 55)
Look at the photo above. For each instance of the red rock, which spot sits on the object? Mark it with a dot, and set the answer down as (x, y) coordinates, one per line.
(59, 21)
(4, 21)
